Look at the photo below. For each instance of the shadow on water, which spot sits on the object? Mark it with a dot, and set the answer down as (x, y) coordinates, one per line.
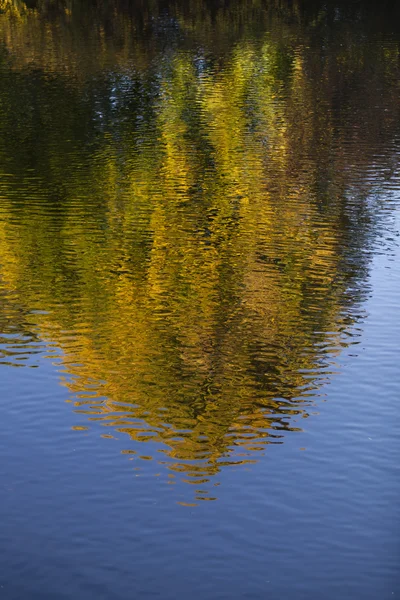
(190, 195)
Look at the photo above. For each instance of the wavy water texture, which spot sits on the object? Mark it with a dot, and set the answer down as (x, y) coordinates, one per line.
(188, 210)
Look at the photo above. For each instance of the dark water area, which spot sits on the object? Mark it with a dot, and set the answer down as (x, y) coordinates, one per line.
(199, 300)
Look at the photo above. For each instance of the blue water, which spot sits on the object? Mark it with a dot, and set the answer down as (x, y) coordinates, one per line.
(307, 507)
(318, 513)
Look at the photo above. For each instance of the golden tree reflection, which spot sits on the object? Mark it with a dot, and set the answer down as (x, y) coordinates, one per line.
(187, 236)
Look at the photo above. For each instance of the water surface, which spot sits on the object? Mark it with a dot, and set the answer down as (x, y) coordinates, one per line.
(199, 282)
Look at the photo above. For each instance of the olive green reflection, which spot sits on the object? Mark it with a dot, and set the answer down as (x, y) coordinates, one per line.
(189, 225)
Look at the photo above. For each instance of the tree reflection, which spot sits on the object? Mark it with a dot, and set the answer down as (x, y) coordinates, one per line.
(192, 235)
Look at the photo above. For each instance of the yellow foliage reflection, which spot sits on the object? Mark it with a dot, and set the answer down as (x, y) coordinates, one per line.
(189, 241)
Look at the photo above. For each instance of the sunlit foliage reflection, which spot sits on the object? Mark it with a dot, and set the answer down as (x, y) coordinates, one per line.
(186, 226)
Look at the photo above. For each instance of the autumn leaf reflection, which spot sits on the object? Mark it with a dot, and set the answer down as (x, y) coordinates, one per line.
(188, 234)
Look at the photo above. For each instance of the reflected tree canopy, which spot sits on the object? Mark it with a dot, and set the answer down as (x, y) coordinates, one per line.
(186, 211)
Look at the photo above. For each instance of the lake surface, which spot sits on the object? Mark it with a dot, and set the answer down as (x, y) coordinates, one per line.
(199, 300)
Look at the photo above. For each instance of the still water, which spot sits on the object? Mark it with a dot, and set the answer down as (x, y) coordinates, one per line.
(199, 291)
